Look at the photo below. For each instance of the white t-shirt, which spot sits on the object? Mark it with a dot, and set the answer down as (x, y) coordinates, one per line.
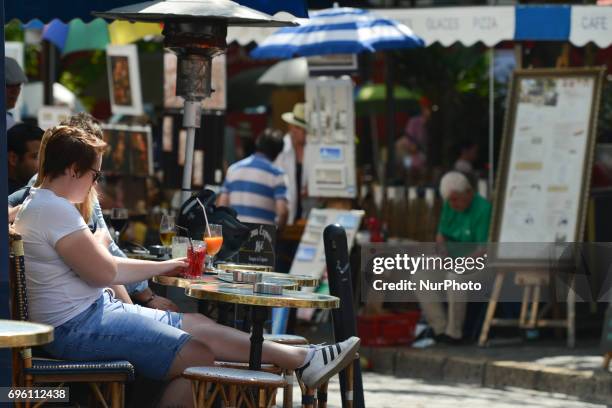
(56, 293)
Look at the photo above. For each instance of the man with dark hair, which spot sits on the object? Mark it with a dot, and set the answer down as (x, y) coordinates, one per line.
(270, 144)
(255, 188)
(23, 143)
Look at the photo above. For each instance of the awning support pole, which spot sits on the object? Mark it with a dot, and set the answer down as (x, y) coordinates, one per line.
(491, 119)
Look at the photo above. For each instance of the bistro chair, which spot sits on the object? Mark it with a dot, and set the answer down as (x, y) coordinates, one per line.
(289, 375)
(235, 388)
(105, 378)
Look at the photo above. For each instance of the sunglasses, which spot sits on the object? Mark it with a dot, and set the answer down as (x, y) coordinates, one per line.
(98, 175)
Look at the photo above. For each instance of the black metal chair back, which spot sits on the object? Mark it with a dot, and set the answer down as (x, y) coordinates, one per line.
(17, 278)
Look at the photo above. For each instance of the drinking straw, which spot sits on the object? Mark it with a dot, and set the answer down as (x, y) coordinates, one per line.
(205, 216)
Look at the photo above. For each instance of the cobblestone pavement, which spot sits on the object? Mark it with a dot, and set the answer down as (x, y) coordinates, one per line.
(382, 391)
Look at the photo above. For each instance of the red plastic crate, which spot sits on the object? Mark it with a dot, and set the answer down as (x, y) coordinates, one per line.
(387, 329)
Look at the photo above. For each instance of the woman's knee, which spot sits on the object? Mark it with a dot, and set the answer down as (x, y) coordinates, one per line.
(193, 354)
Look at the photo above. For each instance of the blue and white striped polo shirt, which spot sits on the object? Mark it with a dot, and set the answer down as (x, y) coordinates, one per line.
(253, 185)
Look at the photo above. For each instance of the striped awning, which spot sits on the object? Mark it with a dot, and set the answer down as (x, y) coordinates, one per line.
(489, 25)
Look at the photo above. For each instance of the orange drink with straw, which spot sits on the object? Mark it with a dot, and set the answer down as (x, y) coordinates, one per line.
(213, 245)
(213, 236)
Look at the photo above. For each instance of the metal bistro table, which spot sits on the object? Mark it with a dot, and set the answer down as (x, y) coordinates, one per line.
(180, 282)
(242, 294)
(14, 333)
(288, 282)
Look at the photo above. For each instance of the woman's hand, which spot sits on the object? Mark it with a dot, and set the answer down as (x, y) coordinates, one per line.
(175, 266)
(161, 303)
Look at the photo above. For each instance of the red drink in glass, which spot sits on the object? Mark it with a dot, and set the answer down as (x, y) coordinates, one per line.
(196, 255)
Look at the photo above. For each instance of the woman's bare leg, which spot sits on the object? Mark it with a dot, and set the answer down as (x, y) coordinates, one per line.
(229, 344)
(178, 392)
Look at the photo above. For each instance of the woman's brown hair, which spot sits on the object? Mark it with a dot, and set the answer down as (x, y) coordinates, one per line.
(64, 146)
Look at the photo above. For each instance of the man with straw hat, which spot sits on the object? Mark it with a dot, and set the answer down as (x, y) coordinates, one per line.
(291, 159)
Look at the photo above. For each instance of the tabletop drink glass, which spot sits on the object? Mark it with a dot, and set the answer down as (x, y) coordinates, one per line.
(179, 247)
(213, 236)
(119, 220)
(167, 230)
(196, 254)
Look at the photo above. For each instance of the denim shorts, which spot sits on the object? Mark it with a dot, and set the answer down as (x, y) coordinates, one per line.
(109, 329)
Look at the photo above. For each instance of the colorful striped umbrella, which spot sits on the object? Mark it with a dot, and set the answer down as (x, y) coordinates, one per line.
(340, 30)
(96, 35)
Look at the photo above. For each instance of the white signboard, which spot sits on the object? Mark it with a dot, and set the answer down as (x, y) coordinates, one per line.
(547, 155)
(309, 258)
(591, 24)
(330, 147)
(448, 25)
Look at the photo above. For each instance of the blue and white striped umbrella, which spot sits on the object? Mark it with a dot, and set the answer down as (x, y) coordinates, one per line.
(340, 30)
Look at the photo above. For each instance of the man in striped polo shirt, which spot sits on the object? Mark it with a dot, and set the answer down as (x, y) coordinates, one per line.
(255, 188)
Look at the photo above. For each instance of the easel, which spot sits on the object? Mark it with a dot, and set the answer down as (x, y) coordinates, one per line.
(530, 276)
(532, 279)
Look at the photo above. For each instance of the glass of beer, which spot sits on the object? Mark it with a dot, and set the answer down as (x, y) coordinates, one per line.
(213, 236)
(167, 230)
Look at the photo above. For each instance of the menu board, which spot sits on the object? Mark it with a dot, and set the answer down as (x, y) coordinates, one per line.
(546, 156)
(310, 255)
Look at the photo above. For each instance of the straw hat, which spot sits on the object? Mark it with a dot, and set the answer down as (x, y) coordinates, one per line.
(297, 117)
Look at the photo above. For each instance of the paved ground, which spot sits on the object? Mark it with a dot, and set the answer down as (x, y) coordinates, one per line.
(382, 391)
(586, 356)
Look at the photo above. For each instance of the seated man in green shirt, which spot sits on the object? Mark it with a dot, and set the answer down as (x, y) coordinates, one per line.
(465, 219)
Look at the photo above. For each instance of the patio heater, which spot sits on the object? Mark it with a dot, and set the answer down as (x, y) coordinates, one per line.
(195, 31)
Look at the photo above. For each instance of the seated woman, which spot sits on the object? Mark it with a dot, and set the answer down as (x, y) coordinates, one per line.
(139, 292)
(67, 271)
